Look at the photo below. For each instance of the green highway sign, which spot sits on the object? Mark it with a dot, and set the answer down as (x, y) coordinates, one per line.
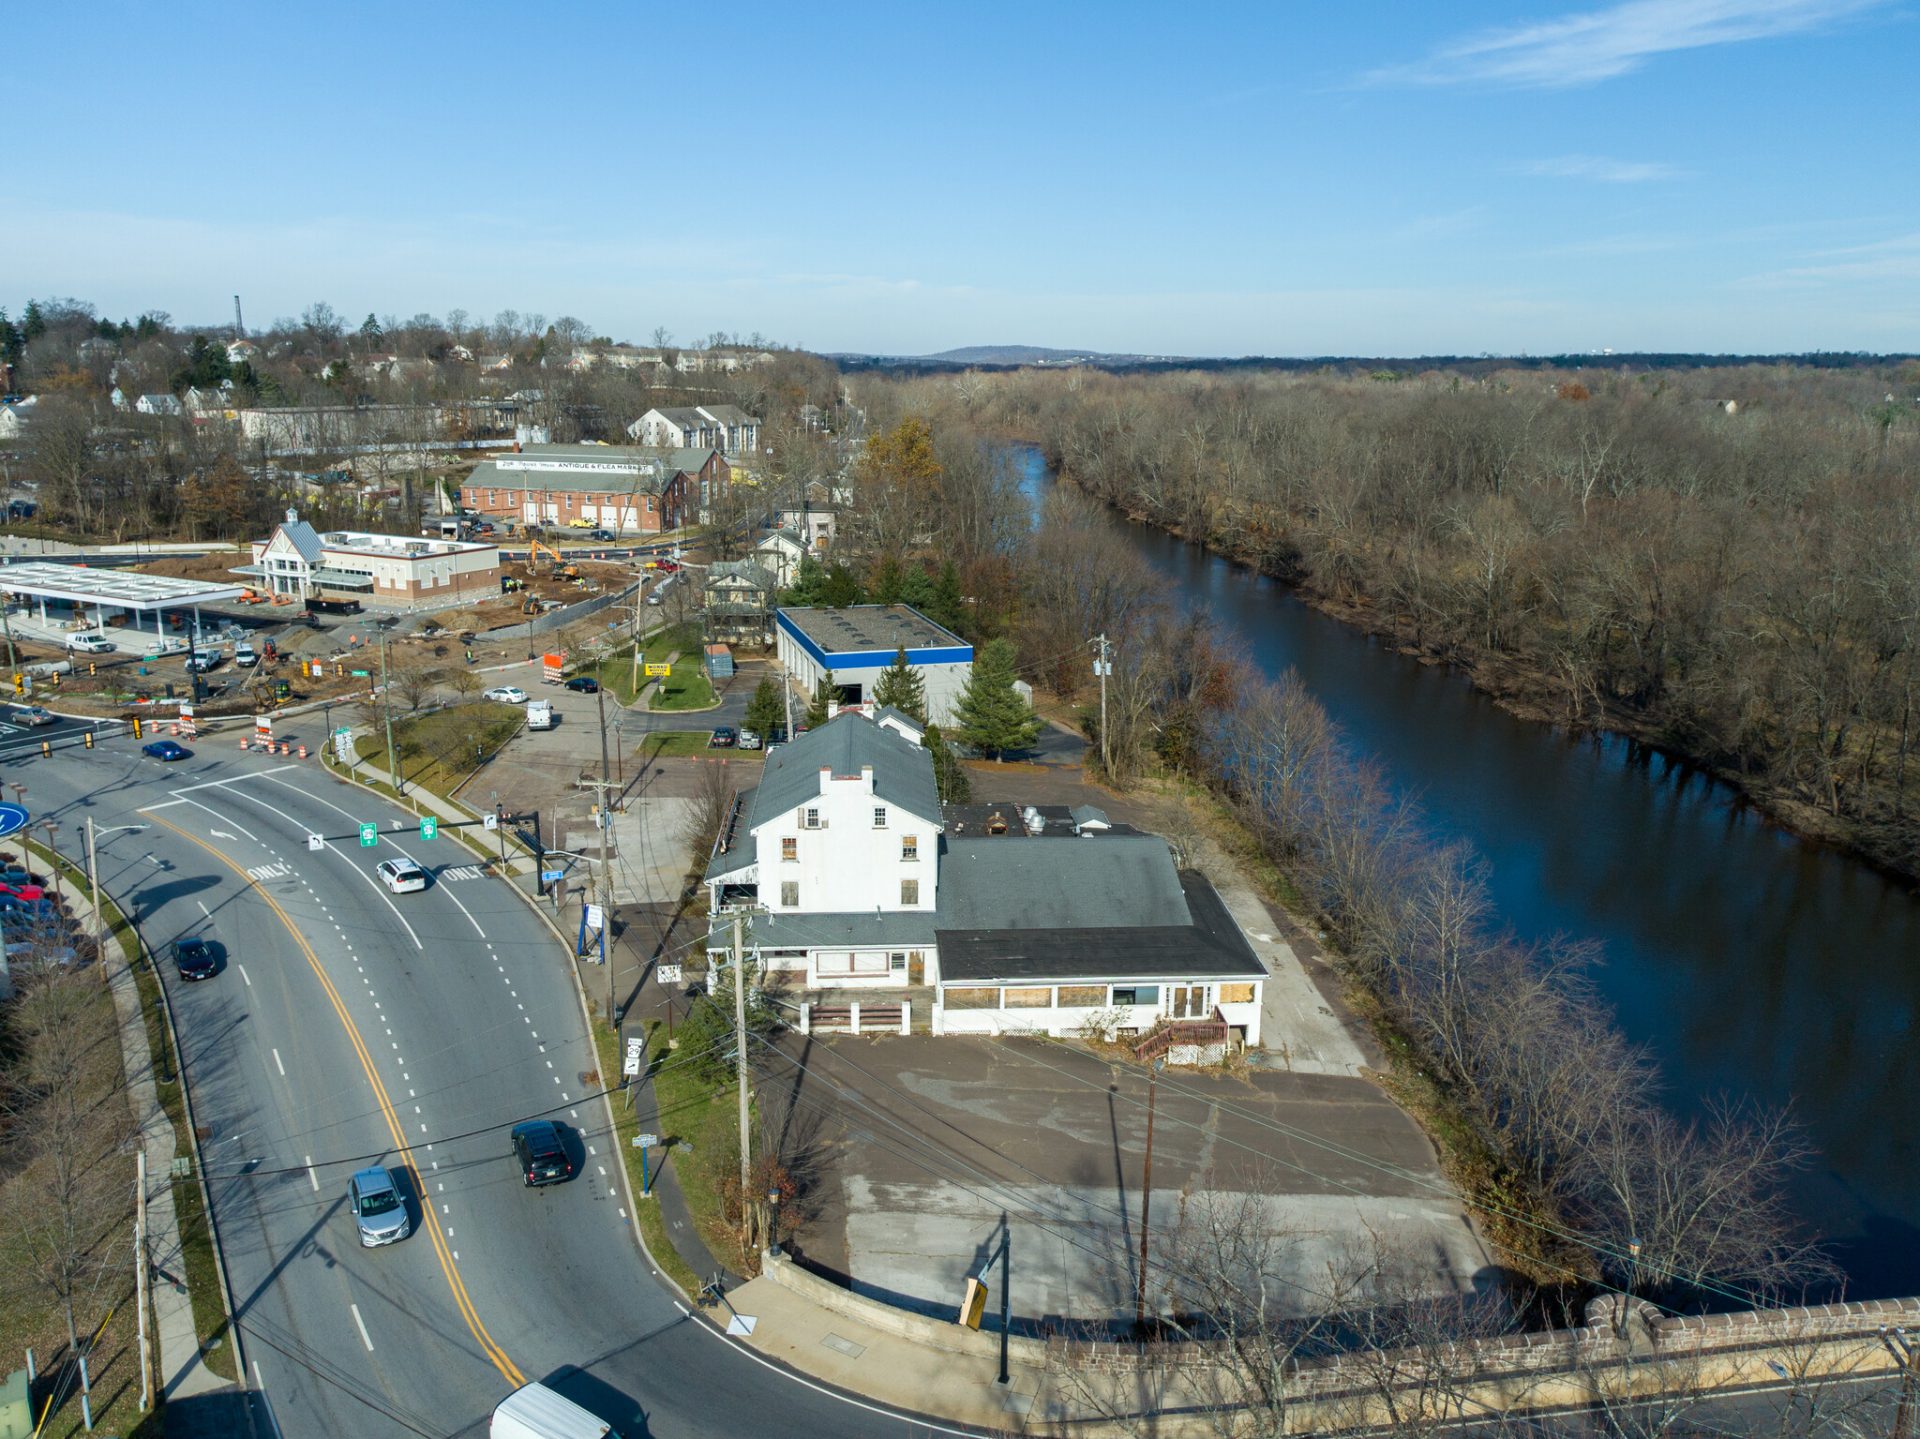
(429, 826)
(362, 674)
(369, 835)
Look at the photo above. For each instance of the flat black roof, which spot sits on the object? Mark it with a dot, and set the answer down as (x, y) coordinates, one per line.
(1212, 947)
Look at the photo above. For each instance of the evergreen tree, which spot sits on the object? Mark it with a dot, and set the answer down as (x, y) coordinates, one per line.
(992, 717)
(33, 324)
(841, 589)
(950, 777)
(809, 583)
(371, 331)
(946, 605)
(825, 693)
(903, 687)
(765, 712)
(886, 582)
(916, 588)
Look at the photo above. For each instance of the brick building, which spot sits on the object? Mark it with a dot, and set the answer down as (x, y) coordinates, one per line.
(617, 487)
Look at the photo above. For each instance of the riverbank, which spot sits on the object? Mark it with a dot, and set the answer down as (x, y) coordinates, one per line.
(1531, 693)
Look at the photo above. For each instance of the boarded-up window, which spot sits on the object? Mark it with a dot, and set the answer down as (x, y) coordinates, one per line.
(909, 891)
(789, 849)
(790, 893)
(1089, 995)
(1029, 999)
(1236, 994)
(971, 998)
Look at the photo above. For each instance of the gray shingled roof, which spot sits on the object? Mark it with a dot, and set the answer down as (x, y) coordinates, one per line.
(997, 882)
(902, 771)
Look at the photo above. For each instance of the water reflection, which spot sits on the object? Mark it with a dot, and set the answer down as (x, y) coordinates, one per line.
(1748, 962)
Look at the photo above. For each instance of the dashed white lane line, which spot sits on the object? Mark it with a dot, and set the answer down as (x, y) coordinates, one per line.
(278, 1065)
(312, 1178)
(243, 975)
(603, 1170)
(361, 1325)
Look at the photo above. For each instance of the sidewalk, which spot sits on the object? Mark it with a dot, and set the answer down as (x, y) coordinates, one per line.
(181, 1372)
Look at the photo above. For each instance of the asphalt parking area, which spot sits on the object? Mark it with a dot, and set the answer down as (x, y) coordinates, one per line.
(917, 1146)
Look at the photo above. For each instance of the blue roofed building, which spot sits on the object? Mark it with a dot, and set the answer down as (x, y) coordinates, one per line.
(854, 644)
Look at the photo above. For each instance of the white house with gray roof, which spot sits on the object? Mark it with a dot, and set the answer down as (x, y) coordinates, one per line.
(851, 877)
(375, 569)
(726, 428)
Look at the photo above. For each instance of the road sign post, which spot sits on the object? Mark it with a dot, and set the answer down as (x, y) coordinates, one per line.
(429, 826)
(369, 835)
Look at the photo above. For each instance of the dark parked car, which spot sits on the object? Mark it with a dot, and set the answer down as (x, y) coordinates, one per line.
(584, 684)
(166, 750)
(604, 536)
(195, 959)
(723, 738)
(541, 1153)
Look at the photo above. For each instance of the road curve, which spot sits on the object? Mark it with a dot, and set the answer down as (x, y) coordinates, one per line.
(349, 1026)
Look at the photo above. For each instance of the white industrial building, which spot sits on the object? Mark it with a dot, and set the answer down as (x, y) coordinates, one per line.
(855, 644)
(393, 570)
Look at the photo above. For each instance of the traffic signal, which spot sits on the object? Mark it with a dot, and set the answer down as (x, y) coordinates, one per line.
(136, 728)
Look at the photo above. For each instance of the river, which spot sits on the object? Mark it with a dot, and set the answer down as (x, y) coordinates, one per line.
(1747, 962)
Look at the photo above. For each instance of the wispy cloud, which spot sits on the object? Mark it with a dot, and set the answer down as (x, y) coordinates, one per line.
(1598, 45)
(1598, 167)
(1897, 258)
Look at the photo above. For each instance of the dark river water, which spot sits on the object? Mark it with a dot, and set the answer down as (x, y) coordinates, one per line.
(1747, 962)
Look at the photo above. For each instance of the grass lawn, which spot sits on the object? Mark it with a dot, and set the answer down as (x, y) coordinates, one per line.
(701, 1130)
(439, 750)
(687, 686)
(653, 1227)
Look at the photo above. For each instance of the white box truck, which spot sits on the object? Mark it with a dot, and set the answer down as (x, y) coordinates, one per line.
(537, 1412)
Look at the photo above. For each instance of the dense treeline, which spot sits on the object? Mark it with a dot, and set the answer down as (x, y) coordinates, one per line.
(1725, 562)
(1555, 1121)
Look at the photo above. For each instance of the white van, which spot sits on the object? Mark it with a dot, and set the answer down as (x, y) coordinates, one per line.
(90, 643)
(537, 1412)
(539, 715)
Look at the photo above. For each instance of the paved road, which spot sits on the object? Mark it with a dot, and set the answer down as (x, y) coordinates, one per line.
(348, 1026)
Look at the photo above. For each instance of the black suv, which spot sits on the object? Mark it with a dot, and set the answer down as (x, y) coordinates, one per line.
(541, 1153)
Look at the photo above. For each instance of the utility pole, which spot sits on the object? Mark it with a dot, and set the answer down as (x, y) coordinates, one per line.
(140, 1272)
(740, 1066)
(603, 881)
(99, 909)
(600, 700)
(386, 714)
(1146, 1197)
(1103, 666)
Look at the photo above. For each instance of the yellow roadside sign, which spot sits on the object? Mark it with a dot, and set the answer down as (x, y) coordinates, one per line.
(652, 670)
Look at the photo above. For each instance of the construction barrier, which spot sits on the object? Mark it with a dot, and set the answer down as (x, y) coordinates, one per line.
(303, 751)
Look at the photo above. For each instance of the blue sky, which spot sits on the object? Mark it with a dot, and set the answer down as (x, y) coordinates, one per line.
(1187, 179)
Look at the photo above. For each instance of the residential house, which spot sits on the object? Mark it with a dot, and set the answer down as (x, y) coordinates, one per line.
(813, 523)
(781, 552)
(726, 428)
(159, 405)
(739, 599)
(850, 876)
(383, 570)
(242, 352)
(13, 421)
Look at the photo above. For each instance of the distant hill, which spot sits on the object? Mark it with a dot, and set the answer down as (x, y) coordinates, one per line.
(1010, 355)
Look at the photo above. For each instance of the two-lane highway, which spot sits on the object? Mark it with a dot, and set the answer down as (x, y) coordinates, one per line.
(350, 1026)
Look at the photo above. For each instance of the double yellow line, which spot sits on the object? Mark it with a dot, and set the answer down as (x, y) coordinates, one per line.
(495, 1354)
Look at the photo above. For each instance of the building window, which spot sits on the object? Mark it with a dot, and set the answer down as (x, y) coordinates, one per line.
(1088, 996)
(1029, 999)
(879, 816)
(789, 849)
(898, 961)
(1236, 994)
(810, 819)
(909, 891)
(971, 998)
(789, 894)
(1137, 994)
(910, 848)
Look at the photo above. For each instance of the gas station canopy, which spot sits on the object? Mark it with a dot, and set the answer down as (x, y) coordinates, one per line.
(114, 589)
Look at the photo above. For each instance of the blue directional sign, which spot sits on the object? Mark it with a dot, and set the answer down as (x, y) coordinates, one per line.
(13, 819)
(550, 876)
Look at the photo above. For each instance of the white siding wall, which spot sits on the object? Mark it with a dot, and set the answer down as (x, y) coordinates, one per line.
(850, 866)
(1063, 1023)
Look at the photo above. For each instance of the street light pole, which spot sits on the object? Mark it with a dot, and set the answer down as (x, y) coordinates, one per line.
(386, 713)
(1146, 1196)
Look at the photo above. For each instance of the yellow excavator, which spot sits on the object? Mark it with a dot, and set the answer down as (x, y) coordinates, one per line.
(561, 569)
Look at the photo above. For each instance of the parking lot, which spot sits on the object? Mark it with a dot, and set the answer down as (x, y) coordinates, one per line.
(917, 1147)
